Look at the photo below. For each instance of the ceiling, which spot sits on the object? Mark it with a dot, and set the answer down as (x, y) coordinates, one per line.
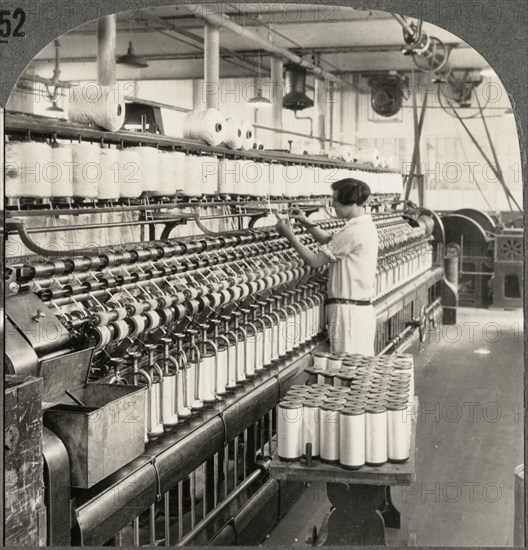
(340, 39)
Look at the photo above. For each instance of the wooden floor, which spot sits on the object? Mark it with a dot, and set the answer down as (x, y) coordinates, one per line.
(469, 379)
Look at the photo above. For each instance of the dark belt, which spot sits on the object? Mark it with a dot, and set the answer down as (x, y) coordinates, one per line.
(347, 301)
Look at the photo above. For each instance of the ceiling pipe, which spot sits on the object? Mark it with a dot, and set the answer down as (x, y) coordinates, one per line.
(224, 22)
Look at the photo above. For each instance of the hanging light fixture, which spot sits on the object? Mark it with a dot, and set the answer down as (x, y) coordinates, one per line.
(131, 59)
(259, 100)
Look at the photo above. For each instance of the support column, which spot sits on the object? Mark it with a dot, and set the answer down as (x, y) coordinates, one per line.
(212, 66)
(321, 96)
(276, 98)
(198, 94)
(106, 50)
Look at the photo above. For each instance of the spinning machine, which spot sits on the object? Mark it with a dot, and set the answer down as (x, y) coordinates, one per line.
(163, 359)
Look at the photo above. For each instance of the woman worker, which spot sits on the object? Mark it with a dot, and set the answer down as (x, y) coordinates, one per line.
(352, 254)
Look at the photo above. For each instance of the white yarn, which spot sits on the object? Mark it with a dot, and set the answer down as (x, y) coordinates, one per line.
(181, 164)
(248, 135)
(209, 175)
(352, 439)
(309, 177)
(376, 437)
(343, 152)
(293, 178)
(369, 156)
(100, 105)
(168, 173)
(329, 434)
(25, 169)
(149, 168)
(233, 136)
(311, 427)
(289, 431)
(221, 379)
(252, 174)
(86, 169)
(399, 432)
(277, 181)
(266, 177)
(109, 182)
(320, 360)
(193, 184)
(207, 375)
(229, 175)
(62, 181)
(208, 125)
(129, 174)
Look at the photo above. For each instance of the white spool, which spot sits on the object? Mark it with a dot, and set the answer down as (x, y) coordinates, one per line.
(149, 168)
(232, 367)
(86, 169)
(221, 377)
(62, 181)
(194, 398)
(320, 360)
(228, 175)
(241, 361)
(250, 356)
(335, 361)
(209, 175)
(369, 156)
(170, 418)
(289, 430)
(252, 179)
(155, 425)
(248, 135)
(343, 152)
(259, 351)
(310, 424)
(25, 168)
(129, 174)
(277, 180)
(329, 432)
(376, 435)
(207, 377)
(109, 183)
(292, 178)
(168, 173)
(208, 125)
(352, 437)
(181, 164)
(276, 345)
(399, 432)
(282, 337)
(182, 408)
(233, 134)
(100, 105)
(193, 184)
(268, 345)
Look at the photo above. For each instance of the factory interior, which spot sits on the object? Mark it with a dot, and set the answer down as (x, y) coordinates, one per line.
(170, 373)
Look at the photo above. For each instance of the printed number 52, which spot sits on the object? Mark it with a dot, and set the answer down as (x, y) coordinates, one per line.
(5, 22)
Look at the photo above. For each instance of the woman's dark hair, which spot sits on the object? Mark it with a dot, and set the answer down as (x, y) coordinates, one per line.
(351, 191)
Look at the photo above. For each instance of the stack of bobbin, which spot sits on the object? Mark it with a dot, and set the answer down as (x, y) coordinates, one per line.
(362, 418)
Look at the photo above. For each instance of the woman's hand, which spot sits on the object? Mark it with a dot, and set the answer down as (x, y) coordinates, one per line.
(284, 228)
(299, 215)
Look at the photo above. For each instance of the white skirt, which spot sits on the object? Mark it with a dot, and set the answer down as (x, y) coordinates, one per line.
(351, 328)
